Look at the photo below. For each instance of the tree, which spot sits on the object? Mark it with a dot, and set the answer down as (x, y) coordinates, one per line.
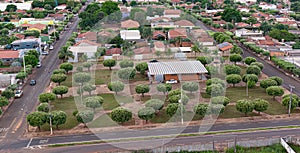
(201, 109)
(59, 71)
(58, 118)
(260, 105)
(66, 66)
(190, 86)
(275, 91)
(88, 65)
(47, 97)
(116, 86)
(60, 90)
(164, 88)
(258, 64)
(109, 7)
(146, 113)
(21, 75)
(3, 101)
(12, 87)
(232, 69)
(244, 106)
(11, 8)
(175, 92)
(236, 50)
(216, 109)
(43, 107)
(220, 100)
(184, 99)
(133, 3)
(267, 83)
(174, 109)
(250, 78)
(89, 88)
(126, 63)
(286, 102)
(58, 78)
(265, 27)
(134, 11)
(85, 117)
(93, 102)
(231, 15)
(142, 67)
(120, 115)
(64, 53)
(253, 70)
(7, 93)
(205, 59)
(31, 60)
(82, 78)
(142, 89)
(215, 81)
(277, 79)
(282, 35)
(146, 32)
(48, 7)
(234, 79)
(249, 60)
(37, 119)
(156, 104)
(150, 11)
(140, 17)
(235, 58)
(196, 49)
(109, 63)
(215, 90)
(126, 73)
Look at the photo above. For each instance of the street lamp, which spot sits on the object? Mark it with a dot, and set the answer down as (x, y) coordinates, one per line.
(290, 103)
(181, 110)
(24, 63)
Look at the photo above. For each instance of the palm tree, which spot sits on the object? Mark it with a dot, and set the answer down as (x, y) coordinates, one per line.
(196, 49)
(64, 54)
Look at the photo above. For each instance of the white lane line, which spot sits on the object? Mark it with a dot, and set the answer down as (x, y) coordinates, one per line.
(29, 143)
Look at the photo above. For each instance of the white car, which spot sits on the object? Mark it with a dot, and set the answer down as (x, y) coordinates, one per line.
(18, 93)
(39, 65)
(45, 53)
(51, 47)
(172, 81)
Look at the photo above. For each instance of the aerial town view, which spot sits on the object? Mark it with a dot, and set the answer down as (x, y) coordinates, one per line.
(150, 76)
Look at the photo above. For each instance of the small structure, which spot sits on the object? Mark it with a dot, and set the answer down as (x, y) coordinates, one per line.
(91, 36)
(225, 47)
(159, 35)
(172, 13)
(113, 51)
(180, 32)
(177, 70)
(159, 46)
(9, 56)
(130, 24)
(79, 51)
(130, 34)
(184, 24)
(26, 44)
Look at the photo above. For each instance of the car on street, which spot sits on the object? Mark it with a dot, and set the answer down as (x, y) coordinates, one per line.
(39, 65)
(172, 81)
(18, 93)
(32, 82)
(51, 47)
(45, 53)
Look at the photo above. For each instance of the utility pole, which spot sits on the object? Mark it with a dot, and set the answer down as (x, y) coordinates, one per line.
(24, 66)
(290, 103)
(181, 110)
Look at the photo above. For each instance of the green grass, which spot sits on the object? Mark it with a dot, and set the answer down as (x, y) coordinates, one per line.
(103, 77)
(102, 121)
(112, 101)
(67, 105)
(163, 117)
(243, 70)
(276, 148)
(296, 148)
(231, 112)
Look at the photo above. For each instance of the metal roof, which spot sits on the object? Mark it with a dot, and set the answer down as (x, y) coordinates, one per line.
(178, 67)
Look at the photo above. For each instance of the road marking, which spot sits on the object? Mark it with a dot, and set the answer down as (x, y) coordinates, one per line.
(18, 126)
(3, 130)
(29, 143)
(43, 141)
(78, 136)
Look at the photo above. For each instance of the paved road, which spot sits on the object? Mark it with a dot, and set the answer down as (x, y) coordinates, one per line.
(273, 71)
(14, 120)
(149, 144)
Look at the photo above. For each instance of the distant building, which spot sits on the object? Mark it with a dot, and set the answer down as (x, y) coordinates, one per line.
(79, 51)
(20, 6)
(130, 24)
(26, 44)
(130, 34)
(172, 13)
(9, 56)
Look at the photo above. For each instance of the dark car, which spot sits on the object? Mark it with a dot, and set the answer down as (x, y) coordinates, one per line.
(153, 61)
(32, 82)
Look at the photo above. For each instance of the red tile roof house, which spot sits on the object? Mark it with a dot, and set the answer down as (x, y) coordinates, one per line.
(172, 13)
(9, 56)
(174, 33)
(130, 24)
(91, 36)
(159, 35)
(159, 46)
(242, 25)
(112, 51)
(225, 47)
(184, 23)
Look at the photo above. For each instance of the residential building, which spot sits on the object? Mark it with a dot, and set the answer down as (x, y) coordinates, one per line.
(179, 70)
(266, 6)
(130, 34)
(174, 33)
(91, 36)
(9, 56)
(159, 46)
(130, 24)
(225, 47)
(206, 41)
(113, 51)
(159, 35)
(26, 44)
(163, 25)
(20, 6)
(245, 1)
(248, 33)
(172, 13)
(79, 51)
(184, 24)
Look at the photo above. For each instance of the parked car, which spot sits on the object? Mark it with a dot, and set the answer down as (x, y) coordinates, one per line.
(51, 47)
(45, 53)
(32, 82)
(18, 93)
(39, 65)
(172, 81)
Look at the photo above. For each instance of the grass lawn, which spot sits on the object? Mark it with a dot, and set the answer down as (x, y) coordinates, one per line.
(276, 148)
(163, 117)
(103, 77)
(112, 101)
(243, 69)
(296, 148)
(231, 112)
(67, 105)
(106, 121)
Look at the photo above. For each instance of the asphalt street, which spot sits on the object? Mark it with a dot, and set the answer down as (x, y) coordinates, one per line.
(158, 143)
(14, 119)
